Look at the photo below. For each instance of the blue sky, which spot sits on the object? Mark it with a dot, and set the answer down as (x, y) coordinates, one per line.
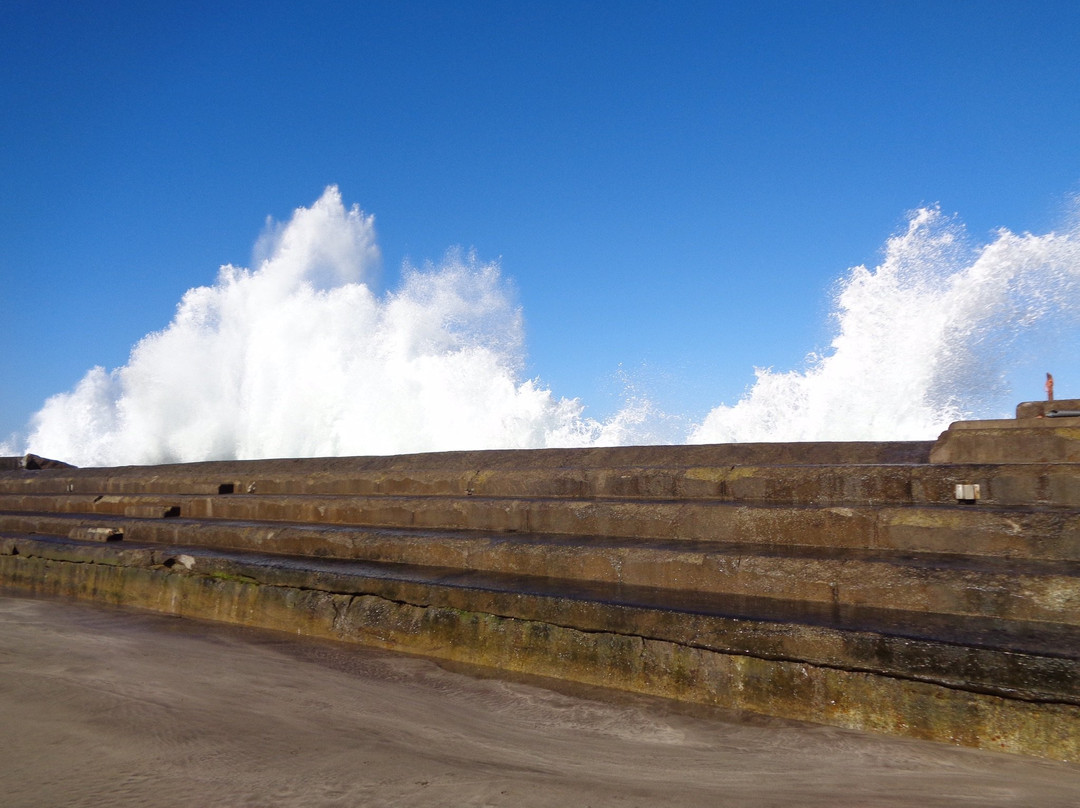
(673, 188)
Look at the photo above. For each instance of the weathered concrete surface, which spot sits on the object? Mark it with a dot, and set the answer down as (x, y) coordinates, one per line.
(32, 462)
(1026, 440)
(154, 711)
(992, 684)
(944, 583)
(846, 584)
(985, 530)
(1041, 409)
(801, 483)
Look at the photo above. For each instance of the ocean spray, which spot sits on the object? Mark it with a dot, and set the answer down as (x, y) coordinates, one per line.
(300, 357)
(927, 337)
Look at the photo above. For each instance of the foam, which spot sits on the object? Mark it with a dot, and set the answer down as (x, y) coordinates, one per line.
(301, 356)
(927, 337)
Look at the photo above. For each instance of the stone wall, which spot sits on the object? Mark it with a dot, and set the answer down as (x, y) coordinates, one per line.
(857, 585)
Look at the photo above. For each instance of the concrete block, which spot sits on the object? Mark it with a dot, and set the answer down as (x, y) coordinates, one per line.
(87, 533)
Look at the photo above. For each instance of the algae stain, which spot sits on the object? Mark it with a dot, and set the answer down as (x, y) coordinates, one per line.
(715, 475)
(232, 577)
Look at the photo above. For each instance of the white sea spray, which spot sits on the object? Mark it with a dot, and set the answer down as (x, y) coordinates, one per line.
(302, 355)
(926, 337)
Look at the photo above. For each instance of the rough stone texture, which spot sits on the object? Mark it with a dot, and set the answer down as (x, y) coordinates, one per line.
(31, 462)
(1025, 440)
(1039, 409)
(838, 583)
(88, 533)
(879, 680)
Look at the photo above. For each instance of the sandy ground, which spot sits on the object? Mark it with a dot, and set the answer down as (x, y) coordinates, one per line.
(109, 707)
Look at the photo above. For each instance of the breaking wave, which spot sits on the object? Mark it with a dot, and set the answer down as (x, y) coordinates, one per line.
(300, 356)
(927, 337)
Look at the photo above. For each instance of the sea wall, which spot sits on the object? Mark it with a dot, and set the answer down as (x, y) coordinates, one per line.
(858, 585)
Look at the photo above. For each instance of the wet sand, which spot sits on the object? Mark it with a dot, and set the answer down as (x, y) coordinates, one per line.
(110, 707)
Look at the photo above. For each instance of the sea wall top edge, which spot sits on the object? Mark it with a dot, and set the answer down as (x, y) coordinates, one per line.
(795, 453)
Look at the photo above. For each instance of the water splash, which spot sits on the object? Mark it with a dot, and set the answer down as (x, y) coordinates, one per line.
(300, 357)
(927, 337)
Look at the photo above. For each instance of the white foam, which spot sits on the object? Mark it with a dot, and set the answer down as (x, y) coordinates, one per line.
(925, 338)
(301, 357)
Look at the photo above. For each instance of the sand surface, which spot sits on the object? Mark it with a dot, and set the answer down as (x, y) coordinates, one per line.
(109, 707)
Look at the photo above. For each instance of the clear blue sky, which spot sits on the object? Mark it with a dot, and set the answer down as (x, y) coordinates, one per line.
(672, 187)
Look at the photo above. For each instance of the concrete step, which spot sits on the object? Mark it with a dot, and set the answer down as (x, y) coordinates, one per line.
(886, 641)
(1023, 440)
(917, 582)
(992, 682)
(501, 460)
(975, 529)
(898, 484)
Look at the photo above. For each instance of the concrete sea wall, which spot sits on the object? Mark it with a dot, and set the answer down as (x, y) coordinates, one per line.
(859, 585)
